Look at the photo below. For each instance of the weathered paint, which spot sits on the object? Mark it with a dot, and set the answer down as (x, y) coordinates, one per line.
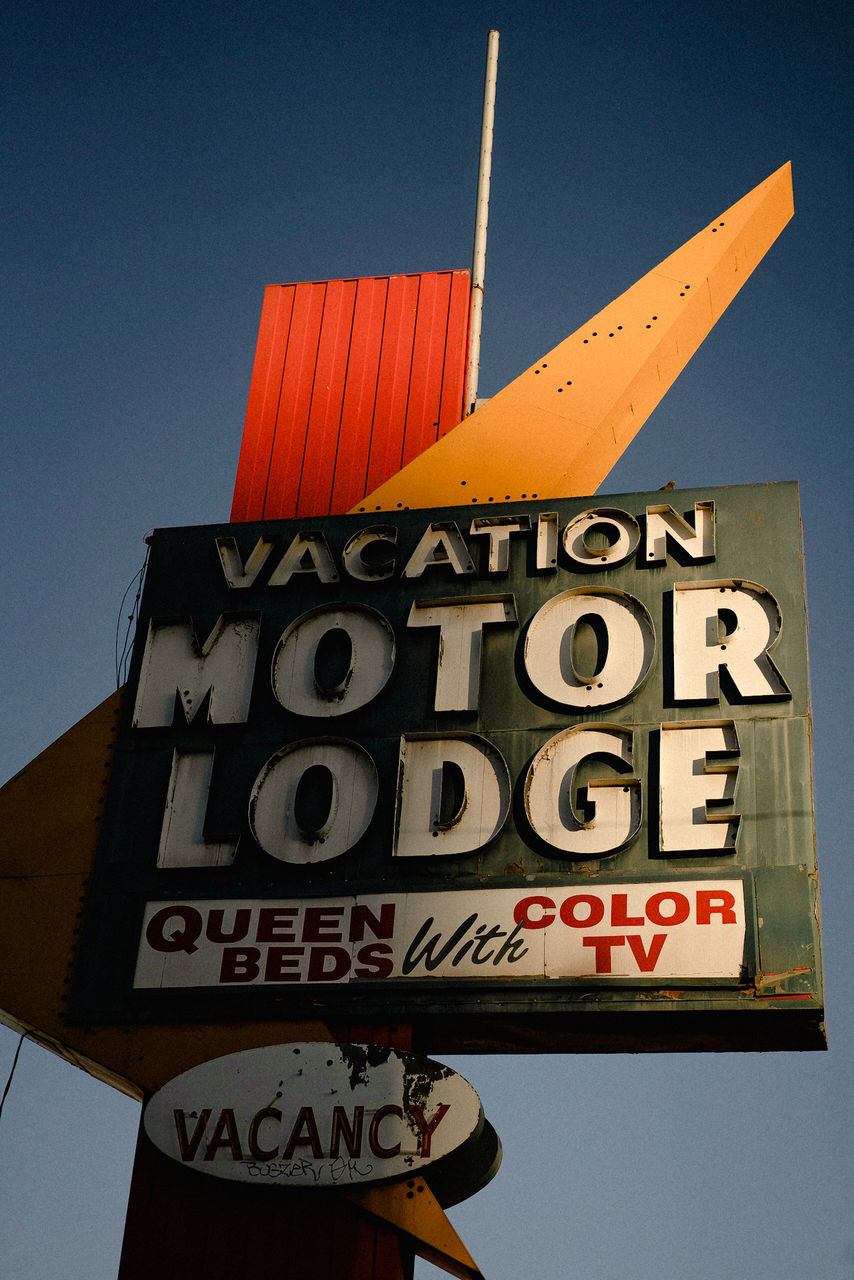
(352, 380)
(312, 1116)
(673, 930)
(559, 428)
(454, 666)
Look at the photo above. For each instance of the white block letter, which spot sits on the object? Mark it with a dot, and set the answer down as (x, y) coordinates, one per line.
(182, 835)
(725, 625)
(699, 764)
(589, 648)
(461, 622)
(551, 786)
(333, 660)
(453, 795)
(348, 777)
(175, 663)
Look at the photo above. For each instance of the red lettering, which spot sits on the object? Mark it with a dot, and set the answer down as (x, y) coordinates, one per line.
(362, 916)
(339, 964)
(240, 928)
(274, 924)
(521, 913)
(238, 965)
(427, 1129)
(681, 908)
(179, 939)
(188, 1146)
(376, 960)
(317, 922)
(719, 902)
(602, 946)
(342, 1128)
(281, 961)
(385, 1153)
(597, 911)
(225, 1135)
(619, 911)
(268, 1113)
(305, 1118)
(646, 960)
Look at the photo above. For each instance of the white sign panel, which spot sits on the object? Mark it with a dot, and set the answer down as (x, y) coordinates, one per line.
(658, 929)
(318, 1115)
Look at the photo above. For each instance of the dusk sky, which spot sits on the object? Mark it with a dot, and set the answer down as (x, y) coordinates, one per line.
(164, 163)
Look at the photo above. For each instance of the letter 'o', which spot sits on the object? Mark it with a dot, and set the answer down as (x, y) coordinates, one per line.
(273, 802)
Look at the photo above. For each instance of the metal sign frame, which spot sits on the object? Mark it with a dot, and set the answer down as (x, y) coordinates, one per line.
(621, 592)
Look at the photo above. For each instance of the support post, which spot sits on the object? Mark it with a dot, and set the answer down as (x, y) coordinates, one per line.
(478, 267)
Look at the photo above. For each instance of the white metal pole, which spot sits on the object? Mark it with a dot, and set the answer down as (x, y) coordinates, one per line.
(478, 266)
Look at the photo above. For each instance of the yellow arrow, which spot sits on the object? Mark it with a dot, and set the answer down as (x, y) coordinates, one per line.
(411, 1208)
(558, 429)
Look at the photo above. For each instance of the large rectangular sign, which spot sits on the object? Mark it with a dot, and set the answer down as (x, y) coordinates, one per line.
(547, 758)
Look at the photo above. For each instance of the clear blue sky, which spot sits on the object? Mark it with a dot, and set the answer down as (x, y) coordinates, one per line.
(164, 162)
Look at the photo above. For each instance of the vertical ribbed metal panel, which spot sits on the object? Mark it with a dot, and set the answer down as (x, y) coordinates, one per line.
(352, 380)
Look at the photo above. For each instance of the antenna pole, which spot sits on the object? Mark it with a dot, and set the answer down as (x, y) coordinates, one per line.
(478, 267)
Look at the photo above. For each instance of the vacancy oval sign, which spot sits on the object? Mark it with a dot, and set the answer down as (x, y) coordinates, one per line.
(326, 1115)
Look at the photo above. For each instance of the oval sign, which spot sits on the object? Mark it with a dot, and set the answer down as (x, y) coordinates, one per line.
(326, 1115)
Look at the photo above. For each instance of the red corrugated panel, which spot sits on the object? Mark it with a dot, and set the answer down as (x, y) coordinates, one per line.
(352, 379)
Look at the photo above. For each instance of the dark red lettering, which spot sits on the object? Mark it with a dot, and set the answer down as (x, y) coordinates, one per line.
(281, 963)
(342, 1128)
(180, 939)
(318, 921)
(361, 916)
(239, 965)
(239, 930)
(338, 964)
(375, 959)
(275, 924)
(188, 1146)
(225, 1135)
(259, 1153)
(426, 1128)
(305, 1119)
(385, 1153)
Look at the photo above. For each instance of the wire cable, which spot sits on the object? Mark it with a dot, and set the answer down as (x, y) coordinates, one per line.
(24, 1036)
(123, 653)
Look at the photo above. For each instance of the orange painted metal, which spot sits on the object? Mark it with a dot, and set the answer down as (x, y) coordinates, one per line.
(352, 380)
(559, 428)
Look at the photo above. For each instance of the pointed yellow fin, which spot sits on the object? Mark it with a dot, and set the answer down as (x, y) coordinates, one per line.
(410, 1207)
(559, 428)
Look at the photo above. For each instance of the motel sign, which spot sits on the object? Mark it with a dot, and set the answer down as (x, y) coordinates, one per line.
(546, 759)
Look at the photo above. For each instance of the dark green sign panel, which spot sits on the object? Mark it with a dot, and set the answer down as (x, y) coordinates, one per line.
(534, 775)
